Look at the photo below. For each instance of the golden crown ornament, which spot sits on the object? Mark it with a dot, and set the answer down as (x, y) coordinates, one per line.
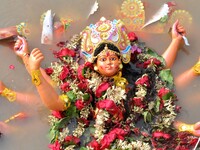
(105, 31)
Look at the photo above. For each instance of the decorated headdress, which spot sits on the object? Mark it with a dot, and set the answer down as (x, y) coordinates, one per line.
(105, 31)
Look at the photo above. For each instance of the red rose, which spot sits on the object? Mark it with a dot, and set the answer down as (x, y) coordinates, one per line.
(153, 61)
(72, 139)
(144, 80)
(94, 144)
(132, 36)
(55, 146)
(102, 88)
(160, 134)
(111, 107)
(162, 92)
(137, 101)
(83, 85)
(111, 136)
(65, 52)
(65, 87)
(81, 72)
(57, 114)
(79, 104)
(64, 73)
(49, 71)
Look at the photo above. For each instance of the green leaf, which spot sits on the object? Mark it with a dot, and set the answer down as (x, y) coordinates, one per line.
(86, 96)
(168, 96)
(71, 96)
(167, 77)
(157, 105)
(71, 112)
(83, 148)
(147, 116)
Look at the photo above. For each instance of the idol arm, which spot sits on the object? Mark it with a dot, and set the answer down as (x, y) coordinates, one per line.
(177, 31)
(32, 61)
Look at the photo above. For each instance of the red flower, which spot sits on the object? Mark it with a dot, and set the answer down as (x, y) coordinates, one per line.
(94, 144)
(83, 85)
(55, 146)
(85, 121)
(144, 80)
(102, 88)
(64, 73)
(81, 72)
(162, 92)
(137, 101)
(72, 139)
(57, 114)
(89, 65)
(153, 61)
(160, 134)
(49, 71)
(79, 104)
(65, 52)
(116, 133)
(132, 36)
(161, 104)
(178, 108)
(111, 107)
(65, 87)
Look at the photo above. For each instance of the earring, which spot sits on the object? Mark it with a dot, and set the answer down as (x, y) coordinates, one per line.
(95, 68)
(120, 66)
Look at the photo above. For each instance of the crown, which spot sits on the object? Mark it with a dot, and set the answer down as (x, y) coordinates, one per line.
(105, 31)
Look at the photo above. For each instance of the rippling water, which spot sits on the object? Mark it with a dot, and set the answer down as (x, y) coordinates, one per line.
(30, 133)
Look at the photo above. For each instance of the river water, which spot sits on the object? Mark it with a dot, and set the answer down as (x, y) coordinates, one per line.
(30, 133)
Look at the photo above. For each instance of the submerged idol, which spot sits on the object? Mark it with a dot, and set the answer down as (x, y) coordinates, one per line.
(121, 97)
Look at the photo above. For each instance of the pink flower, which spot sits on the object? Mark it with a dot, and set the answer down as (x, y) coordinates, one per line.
(12, 67)
(79, 104)
(102, 88)
(55, 146)
(132, 36)
(57, 114)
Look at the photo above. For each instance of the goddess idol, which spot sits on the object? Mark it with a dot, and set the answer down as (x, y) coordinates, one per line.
(115, 93)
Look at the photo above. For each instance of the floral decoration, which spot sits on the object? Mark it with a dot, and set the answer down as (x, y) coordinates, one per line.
(102, 115)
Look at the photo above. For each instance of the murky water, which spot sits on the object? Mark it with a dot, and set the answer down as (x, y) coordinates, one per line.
(30, 133)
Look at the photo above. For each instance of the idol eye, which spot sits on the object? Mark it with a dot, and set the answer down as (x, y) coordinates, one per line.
(113, 58)
(102, 59)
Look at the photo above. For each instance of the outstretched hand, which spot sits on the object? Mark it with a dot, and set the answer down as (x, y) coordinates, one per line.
(35, 59)
(178, 31)
(21, 47)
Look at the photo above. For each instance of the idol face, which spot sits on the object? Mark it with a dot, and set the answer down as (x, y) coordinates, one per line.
(108, 63)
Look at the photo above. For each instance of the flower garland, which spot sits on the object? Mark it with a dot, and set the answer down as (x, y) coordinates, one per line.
(102, 115)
